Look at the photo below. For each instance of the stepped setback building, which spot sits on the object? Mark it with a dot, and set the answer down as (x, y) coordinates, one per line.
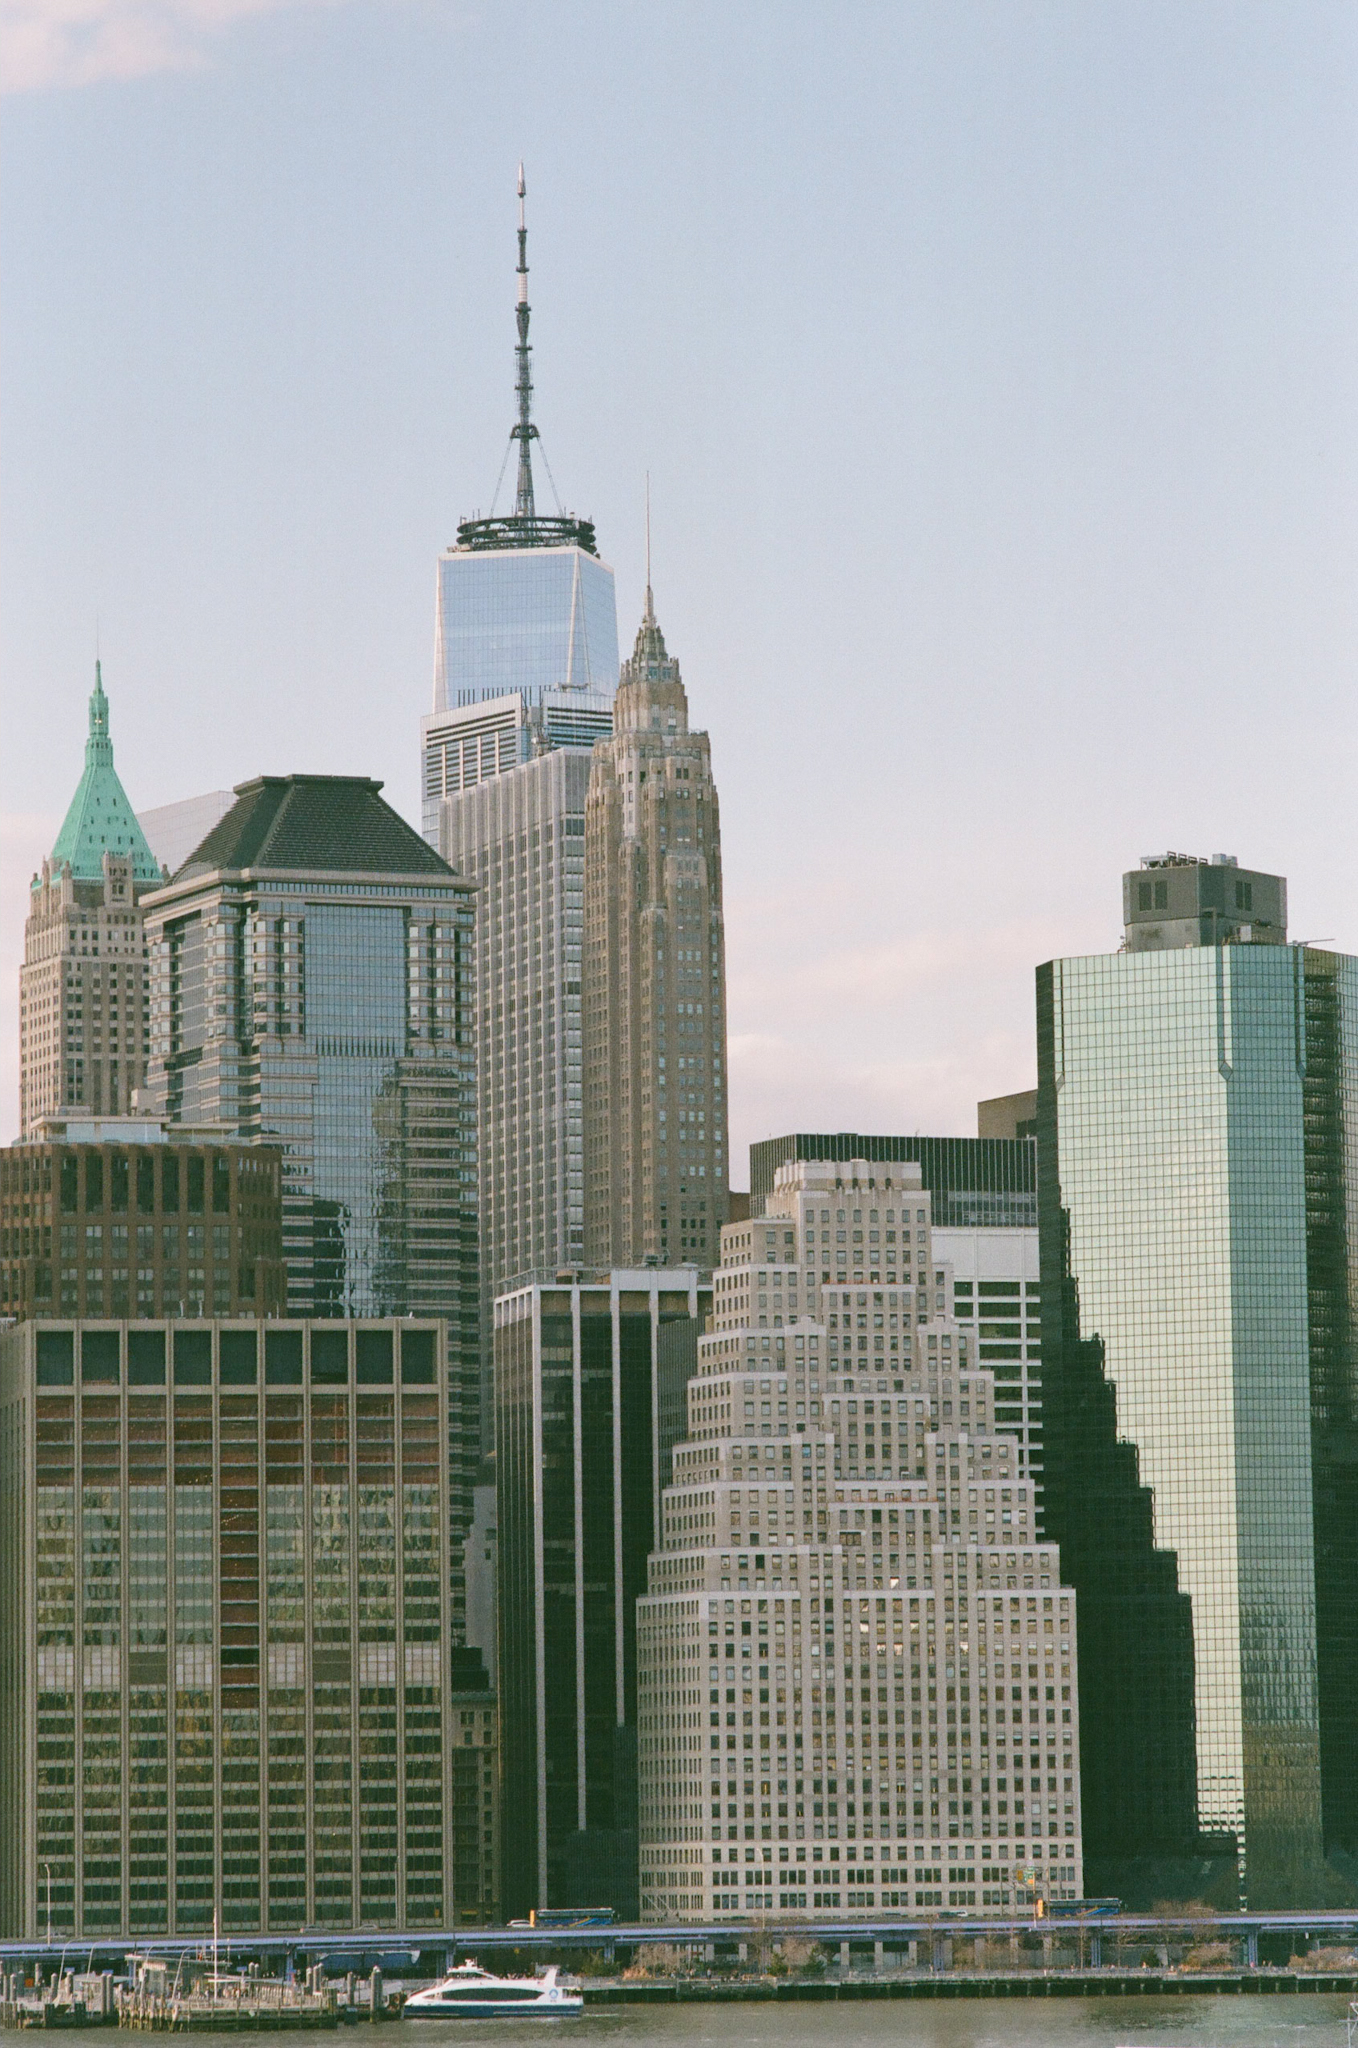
(656, 1158)
(856, 1659)
(983, 1210)
(82, 987)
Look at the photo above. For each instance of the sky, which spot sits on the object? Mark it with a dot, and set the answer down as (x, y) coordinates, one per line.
(993, 365)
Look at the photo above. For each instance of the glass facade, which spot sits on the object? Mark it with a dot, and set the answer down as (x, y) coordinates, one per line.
(578, 1453)
(231, 1543)
(1175, 1282)
(1329, 1100)
(523, 619)
(332, 1019)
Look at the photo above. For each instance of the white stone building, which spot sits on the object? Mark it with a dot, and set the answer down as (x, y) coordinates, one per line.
(856, 1661)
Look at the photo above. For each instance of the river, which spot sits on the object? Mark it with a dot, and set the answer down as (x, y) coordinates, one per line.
(1182, 2022)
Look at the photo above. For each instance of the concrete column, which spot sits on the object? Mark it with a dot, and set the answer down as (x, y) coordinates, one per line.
(1252, 1949)
(1096, 1948)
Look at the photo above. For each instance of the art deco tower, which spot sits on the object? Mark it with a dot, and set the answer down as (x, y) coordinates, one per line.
(655, 978)
(82, 1003)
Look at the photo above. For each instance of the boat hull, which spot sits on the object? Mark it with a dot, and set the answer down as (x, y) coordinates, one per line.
(494, 2009)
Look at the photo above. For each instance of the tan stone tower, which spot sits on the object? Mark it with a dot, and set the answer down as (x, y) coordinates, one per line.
(82, 987)
(656, 1161)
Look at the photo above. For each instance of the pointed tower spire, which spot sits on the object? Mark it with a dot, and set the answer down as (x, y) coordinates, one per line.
(98, 745)
(524, 431)
(100, 819)
(650, 601)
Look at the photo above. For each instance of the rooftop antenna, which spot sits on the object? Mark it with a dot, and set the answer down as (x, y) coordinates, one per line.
(524, 431)
(524, 527)
(650, 602)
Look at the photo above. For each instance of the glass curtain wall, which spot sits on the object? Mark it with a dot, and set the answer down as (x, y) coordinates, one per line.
(1172, 1092)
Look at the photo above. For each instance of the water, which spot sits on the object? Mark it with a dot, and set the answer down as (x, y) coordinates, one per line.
(1227, 2022)
(1223, 2022)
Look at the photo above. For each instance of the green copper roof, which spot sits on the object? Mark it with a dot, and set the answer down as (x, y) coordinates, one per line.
(101, 820)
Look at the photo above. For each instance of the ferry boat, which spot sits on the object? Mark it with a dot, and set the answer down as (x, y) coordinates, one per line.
(471, 1993)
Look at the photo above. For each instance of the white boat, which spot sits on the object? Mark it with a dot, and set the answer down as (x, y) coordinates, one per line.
(471, 1993)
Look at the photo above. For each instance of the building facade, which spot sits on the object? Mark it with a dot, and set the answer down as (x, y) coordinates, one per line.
(579, 1451)
(492, 736)
(975, 1183)
(997, 1296)
(1195, 1105)
(857, 1686)
(1008, 1116)
(174, 830)
(231, 1623)
(123, 1216)
(520, 839)
(656, 1157)
(82, 987)
(311, 988)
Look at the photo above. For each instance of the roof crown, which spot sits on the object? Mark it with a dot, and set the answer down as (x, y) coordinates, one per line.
(100, 819)
(337, 824)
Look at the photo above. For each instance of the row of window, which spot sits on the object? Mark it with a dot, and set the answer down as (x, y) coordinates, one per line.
(105, 1355)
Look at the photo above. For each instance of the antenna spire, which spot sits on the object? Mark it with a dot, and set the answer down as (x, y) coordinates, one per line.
(650, 601)
(524, 431)
(525, 527)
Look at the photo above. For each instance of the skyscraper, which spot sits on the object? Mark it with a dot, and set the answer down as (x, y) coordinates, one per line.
(244, 1703)
(82, 987)
(527, 632)
(656, 1159)
(311, 971)
(847, 1542)
(1195, 1116)
(520, 837)
(580, 1450)
(526, 670)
